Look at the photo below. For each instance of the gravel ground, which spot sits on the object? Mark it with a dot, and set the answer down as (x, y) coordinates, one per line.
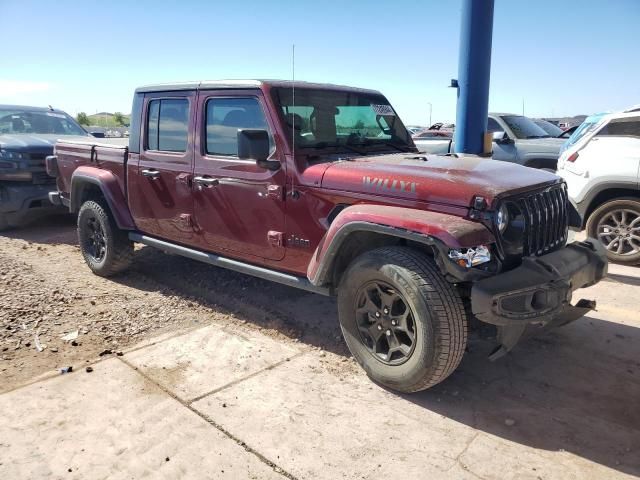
(48, 296)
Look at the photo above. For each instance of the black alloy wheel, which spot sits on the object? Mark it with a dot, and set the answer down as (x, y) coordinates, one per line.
(385, 322)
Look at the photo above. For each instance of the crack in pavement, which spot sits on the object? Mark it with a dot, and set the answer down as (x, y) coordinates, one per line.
(251, 375)
(276, 468)
(458, 457)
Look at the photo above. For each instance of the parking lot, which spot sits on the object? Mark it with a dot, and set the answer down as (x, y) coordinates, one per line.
(203, 373)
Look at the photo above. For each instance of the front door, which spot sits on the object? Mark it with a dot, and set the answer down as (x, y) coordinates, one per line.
(161, 196)
(238, 206)
(501, 151)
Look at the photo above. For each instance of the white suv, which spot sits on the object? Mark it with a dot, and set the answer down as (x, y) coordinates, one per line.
(600, 163)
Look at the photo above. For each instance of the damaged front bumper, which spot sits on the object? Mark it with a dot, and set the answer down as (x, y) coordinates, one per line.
(539, 291)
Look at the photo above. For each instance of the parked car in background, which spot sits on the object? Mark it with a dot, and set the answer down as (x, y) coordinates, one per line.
(518, 139)
(413, 129)
(442, 126)
(551, 129)
(433, 141)
(27, 136)
(601, 165)
(567, 133)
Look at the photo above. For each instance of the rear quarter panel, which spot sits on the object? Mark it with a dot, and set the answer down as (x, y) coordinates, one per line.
(83, 163)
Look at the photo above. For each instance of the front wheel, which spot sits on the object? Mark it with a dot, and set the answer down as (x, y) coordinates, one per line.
(402, 321)
(616, 224)
(106, 249)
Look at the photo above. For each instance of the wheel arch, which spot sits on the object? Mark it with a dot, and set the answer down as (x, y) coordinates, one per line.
(92, 183)
(607, 193)
(358, 229)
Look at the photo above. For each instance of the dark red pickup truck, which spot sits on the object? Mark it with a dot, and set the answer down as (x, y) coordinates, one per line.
(320, 187)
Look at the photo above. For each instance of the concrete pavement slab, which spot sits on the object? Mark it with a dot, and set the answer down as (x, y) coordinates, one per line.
(546, 411)
(318, 426)
(113, 424)
(208, 358)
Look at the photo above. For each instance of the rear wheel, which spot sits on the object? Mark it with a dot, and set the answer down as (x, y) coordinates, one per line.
(401, 320)
(616, 224)
(106, 249)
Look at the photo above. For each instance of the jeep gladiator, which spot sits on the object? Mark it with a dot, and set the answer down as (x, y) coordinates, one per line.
(320, 187)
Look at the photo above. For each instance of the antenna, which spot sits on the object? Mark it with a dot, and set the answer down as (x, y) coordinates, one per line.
(294, 193)
(293, 100)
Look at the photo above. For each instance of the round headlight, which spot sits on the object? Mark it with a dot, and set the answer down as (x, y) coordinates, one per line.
(502, 219)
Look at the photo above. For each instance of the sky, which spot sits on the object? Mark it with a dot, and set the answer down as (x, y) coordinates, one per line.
(560, 57)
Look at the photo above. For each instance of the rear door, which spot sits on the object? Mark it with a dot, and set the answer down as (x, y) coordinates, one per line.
(160, 190)
(613, 153)
(238, 206)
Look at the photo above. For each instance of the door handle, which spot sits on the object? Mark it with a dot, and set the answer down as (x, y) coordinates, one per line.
(206, 181)
(150, 173)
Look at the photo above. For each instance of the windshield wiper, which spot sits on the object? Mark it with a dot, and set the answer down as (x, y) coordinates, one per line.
(539, 136)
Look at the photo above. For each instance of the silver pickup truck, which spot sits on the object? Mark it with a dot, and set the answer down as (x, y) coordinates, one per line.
(516, 139)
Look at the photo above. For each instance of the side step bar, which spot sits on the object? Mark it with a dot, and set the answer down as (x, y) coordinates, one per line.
(218, 261)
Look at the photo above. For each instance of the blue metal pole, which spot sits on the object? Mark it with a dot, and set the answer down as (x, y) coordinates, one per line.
(474, 71)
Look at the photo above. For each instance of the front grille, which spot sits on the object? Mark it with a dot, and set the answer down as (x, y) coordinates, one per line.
(546, 220)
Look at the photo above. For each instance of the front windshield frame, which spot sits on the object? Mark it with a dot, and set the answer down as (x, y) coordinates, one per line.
(523, 127)
(322, 132)
(19, 121)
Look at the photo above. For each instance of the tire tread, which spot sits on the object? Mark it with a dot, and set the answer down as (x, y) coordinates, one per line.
(122, 252)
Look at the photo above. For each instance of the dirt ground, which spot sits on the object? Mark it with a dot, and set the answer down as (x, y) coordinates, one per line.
(47, 292)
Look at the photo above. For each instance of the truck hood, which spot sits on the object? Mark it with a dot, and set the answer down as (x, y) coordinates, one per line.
(35, 143)
(541, 145)
(447, 180)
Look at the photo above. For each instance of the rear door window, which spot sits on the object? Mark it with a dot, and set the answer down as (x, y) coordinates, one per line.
(168, 125)
(621, 127)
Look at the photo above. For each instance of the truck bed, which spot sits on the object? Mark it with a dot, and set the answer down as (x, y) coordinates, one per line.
(108, 154)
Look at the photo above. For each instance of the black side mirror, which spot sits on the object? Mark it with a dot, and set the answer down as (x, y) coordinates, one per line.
(254, 145)
(97, 134)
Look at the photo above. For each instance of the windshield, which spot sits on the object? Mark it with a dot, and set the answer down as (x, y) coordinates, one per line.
(549, 127)
(341, 121)
(15, 121)
(523, 127)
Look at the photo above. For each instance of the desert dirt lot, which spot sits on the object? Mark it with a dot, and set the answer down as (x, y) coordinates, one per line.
(204, 373)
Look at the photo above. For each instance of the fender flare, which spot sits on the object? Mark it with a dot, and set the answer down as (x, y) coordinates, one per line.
(438, 230)
(587, 202)
(108, 184)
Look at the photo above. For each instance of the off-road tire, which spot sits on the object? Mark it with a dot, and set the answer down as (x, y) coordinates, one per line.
(600, 213)
(118, 249)
(437, 309)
